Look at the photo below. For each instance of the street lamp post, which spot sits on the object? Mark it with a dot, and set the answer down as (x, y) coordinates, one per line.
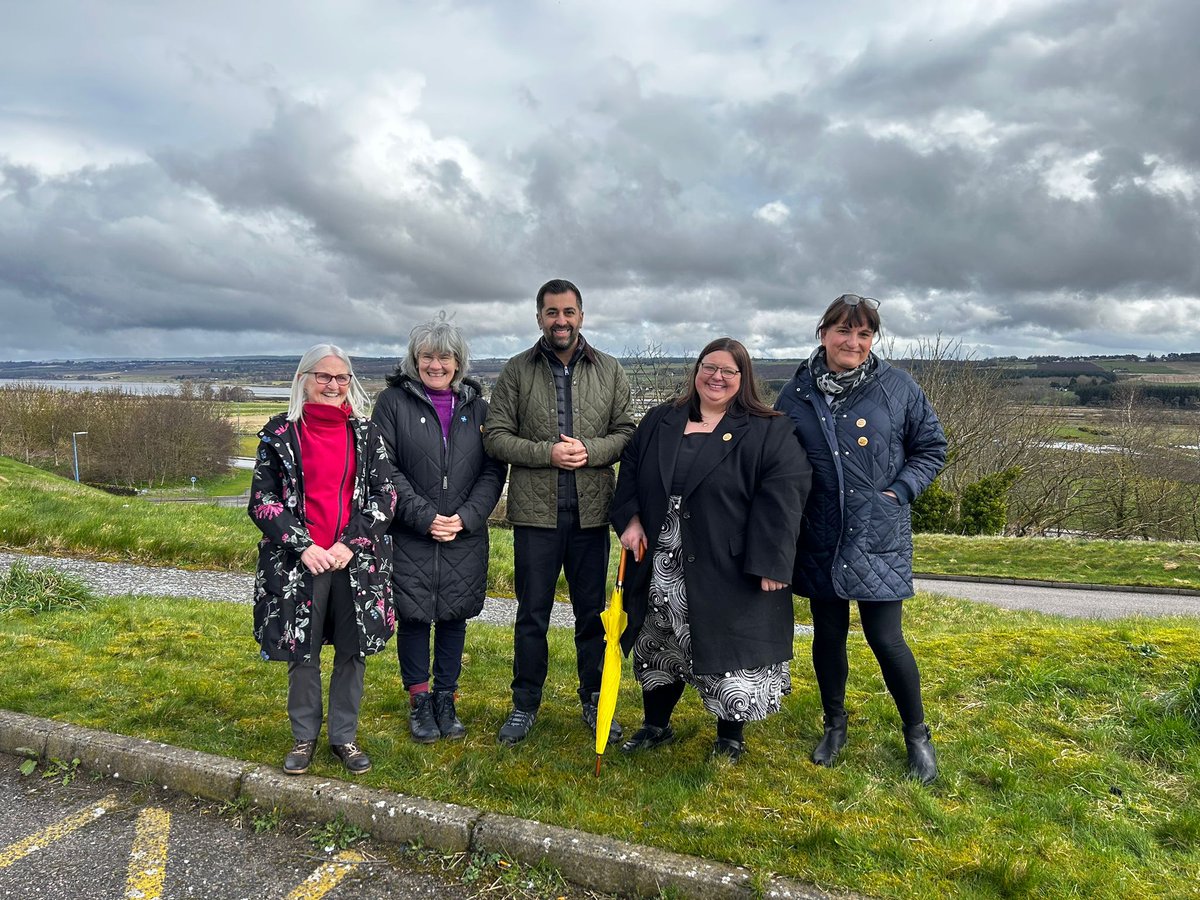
(75, 450)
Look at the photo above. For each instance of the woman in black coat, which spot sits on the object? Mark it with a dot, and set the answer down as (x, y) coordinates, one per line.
(432, 418)
(711, 488)
(875, 444)
(323, 497)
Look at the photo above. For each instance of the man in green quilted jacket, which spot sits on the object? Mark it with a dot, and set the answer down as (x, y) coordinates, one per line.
(560, 417)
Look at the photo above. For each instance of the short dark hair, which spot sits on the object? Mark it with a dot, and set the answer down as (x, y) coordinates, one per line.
(747, 399)
(557, 286)
(855, 316)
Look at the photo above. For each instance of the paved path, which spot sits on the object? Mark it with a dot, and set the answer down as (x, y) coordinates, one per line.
(1093, 603)
(1097, 603)
(228, 587)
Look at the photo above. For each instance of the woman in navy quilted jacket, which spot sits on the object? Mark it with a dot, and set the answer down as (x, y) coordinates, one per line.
(874, 443)
(432, 416)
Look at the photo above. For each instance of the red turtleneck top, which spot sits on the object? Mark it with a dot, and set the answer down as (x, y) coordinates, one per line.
(327, 462)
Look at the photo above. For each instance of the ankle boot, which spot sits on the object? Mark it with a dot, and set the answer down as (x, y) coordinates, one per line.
(922, 758)
(832, 742)
(448, 722)
(421, 722)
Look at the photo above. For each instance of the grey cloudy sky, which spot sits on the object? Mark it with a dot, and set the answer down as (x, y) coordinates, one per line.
(247, 178)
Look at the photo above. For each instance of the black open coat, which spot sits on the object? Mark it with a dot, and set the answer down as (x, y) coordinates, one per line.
(740, 516)
(437, 581)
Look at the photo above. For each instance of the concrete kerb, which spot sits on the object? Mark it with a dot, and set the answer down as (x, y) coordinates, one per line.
(391, 817)
(589, 860)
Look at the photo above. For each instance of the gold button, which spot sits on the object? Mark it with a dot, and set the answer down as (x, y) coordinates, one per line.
(862, 442)
(727, 436)
(861, 423)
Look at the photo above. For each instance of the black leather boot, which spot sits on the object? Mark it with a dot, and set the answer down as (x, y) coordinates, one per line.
(421, 723)
(922, 758)
(448, 722)
(832, 742)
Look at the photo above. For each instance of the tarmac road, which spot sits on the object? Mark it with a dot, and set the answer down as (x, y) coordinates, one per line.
(1092, 603)
(101, 838)
(1058, 599)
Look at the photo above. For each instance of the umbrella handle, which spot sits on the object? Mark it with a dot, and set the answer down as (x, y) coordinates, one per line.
(621, 568)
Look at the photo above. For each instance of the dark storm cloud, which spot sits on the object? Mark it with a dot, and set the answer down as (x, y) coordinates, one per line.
(1020, 180)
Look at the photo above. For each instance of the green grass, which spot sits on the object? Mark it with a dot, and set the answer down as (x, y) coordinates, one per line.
(1152, 563)
(233, 483)
(43, 513)
(1070, 752)
(41, 590)
(253, 413)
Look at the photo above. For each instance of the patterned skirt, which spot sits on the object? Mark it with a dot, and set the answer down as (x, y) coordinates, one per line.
(662, 651)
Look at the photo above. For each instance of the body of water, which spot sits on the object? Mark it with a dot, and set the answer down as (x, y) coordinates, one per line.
(261, 392)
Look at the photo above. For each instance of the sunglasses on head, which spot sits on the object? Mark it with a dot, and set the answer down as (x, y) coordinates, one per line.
(855, 299)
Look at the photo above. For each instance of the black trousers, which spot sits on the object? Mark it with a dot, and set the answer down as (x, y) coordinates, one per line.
(412, 646)
(882, 629)
(539, 554)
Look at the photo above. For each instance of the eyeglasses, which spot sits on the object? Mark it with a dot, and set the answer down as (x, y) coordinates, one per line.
(708, 370)
(325, 378)
(854, 300)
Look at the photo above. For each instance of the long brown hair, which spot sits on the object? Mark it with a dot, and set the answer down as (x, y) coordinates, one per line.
(745, 401)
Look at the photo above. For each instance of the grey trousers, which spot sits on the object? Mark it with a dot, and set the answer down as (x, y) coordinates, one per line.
(332, 608)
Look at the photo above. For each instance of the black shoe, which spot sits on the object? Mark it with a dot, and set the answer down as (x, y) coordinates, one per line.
(832, 742)
(589, 719)
(922, 758)
(421, 722)
(729, 748)
(448, 723)
(299, 758)
(517, 726)
(648, 737)
(353, 757)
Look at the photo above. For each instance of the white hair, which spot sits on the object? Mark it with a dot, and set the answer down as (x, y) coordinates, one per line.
(437, 337)
(360, 403)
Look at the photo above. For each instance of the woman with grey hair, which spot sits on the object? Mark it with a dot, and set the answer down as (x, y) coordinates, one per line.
(323, 497)
(432, 416)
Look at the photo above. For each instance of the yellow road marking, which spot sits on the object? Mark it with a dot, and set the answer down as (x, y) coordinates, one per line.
(327, 877)
(148, 859)
(52, 833)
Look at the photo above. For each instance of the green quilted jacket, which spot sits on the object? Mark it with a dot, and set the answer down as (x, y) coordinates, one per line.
(522, 425)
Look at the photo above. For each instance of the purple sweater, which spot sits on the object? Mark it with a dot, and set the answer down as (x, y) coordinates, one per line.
(443, 404)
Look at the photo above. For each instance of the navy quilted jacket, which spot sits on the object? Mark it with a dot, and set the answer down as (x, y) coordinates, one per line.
(855, 541)
(433, 580)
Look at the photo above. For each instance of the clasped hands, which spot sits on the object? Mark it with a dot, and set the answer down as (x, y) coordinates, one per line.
(318, 560)
(568, 453)
(445, 528)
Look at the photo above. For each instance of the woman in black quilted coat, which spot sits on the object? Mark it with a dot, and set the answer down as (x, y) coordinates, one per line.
(432, 418)
(874, 443)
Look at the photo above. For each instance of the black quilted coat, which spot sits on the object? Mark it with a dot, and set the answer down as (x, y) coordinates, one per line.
(855, 541)
(435, 581)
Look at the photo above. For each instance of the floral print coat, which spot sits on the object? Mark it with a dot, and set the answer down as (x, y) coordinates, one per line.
(282, 584)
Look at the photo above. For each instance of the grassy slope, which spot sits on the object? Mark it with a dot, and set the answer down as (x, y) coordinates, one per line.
(43, 513)
(47, 514)
(1070, 752)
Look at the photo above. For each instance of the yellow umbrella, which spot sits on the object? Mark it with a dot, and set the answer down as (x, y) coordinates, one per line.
(615, 620)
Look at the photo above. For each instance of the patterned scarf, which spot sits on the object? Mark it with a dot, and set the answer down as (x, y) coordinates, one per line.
(839, 385)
